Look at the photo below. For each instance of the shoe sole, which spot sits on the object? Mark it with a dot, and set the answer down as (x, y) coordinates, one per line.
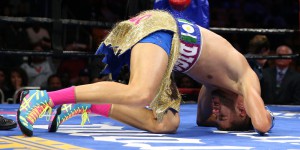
(24, 130)
(53, 126)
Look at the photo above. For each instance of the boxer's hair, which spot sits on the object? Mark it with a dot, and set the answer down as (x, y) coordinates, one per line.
(245, 125)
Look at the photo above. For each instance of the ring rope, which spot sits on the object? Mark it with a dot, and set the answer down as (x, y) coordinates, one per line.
(252, 30)
(59, 53)
(62, 53)
(8, 19)
(54, 53)
(286, 56)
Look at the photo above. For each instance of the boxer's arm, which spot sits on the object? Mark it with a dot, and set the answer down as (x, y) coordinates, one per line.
(272, 122)
(260, 117)
(204, 110)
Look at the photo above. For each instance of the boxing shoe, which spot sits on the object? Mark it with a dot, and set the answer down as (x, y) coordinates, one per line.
(67, 111)
(34, 104)
(7, 124)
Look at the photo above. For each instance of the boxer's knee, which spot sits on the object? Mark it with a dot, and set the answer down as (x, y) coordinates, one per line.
(169, 124)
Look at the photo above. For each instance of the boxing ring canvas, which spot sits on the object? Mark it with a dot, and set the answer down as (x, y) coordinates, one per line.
(104, 133)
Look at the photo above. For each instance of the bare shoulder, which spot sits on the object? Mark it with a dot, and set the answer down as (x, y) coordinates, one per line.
(219, 64)
(212, 37)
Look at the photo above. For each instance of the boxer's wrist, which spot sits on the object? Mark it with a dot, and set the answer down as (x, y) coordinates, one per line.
(272, 121)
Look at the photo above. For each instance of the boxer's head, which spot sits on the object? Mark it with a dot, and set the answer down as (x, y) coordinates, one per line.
(229, 110)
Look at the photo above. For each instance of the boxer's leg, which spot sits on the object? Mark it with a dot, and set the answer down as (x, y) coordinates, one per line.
(144, 119)
(148, 65)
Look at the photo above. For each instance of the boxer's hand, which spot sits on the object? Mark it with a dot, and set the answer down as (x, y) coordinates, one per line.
(272, 122)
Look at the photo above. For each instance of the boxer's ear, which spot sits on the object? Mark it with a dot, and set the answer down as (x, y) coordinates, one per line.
(241, 109)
